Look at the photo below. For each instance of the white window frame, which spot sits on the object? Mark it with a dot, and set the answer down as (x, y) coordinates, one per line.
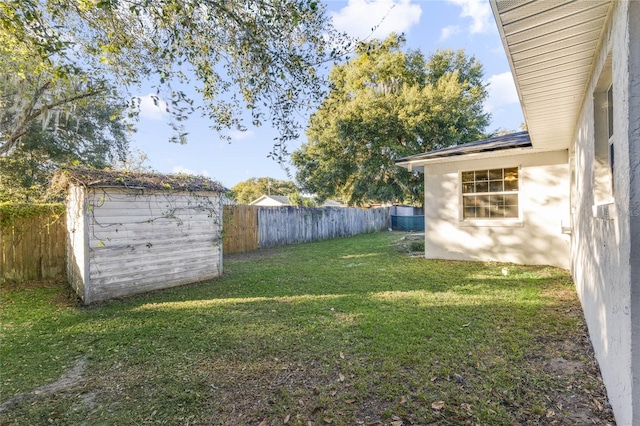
(490, 221)
(603, 144)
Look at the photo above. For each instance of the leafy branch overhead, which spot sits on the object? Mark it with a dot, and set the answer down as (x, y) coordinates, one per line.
(385, 104)
(255, 55)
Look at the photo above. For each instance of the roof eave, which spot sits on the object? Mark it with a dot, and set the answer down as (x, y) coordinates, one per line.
(536, 36)
(418, 164)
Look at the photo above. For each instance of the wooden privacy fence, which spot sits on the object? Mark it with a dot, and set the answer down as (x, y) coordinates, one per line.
(250, 227)
(239, 228)
(33, 248)
(280, 226)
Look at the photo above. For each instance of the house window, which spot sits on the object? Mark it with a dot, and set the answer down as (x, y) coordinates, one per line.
(603, 160)
(490, 194)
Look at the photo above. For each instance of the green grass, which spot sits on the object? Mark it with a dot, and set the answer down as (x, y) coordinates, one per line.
(347, 331)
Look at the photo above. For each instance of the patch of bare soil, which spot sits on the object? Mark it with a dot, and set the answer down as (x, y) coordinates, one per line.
(69, 380)
(580, 397)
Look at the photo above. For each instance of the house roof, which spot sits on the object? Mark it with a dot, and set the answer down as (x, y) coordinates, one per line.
(282, 199)
(332, 203)
(551, 47)
(498, 143)
(123, 179)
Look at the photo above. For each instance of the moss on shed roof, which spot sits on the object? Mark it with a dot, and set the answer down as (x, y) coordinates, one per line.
(125, 179)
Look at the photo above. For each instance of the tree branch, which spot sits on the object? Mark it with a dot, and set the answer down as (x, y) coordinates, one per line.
(30, 114)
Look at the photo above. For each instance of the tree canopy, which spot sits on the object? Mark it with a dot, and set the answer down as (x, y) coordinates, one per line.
(95, 135)
(385, 104)
(251, 189)
(259, 56)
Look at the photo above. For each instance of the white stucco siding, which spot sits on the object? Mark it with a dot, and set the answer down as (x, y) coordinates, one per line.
(605, 259)
(633, 73)
(534, 238)
(141, 241)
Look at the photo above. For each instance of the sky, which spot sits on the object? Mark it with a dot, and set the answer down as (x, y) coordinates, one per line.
(427, 24)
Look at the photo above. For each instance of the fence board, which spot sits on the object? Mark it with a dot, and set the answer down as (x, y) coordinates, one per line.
(239, 229)
(33, 248)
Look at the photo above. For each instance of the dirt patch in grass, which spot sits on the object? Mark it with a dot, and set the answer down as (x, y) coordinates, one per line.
(69, 380)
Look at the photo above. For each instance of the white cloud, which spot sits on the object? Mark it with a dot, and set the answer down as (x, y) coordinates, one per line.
(186, 171)
(237, 135)
(449, 31)
(502, 91)
(359, 17)
(480, 13)
(150, 109)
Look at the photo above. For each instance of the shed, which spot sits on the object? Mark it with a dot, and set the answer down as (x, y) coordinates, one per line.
(131, 233)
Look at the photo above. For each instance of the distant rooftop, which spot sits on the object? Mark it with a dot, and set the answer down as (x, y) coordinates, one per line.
(498, 143)
(281, 199)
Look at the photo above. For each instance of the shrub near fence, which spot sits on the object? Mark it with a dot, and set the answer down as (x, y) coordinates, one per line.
(32, 242)
(279, 226)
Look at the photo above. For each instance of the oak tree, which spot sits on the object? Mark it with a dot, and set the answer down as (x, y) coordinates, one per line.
(385, 104)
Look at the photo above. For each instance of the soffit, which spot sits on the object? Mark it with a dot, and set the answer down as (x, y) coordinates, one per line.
(551, 45)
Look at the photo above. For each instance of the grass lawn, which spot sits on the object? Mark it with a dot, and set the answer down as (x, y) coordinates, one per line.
(342, 332)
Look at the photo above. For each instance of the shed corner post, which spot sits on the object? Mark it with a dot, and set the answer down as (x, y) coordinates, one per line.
(87, 248)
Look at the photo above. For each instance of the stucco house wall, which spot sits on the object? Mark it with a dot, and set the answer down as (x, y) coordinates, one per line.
(605, 239)
(534, 238)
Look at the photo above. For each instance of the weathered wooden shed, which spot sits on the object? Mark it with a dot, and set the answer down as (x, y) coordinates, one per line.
(131, 233)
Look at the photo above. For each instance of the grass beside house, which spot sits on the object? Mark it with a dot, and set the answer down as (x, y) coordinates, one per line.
(343, 332)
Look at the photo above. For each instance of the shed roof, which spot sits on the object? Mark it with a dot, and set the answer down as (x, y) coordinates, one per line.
(498, 143)
(124, 179)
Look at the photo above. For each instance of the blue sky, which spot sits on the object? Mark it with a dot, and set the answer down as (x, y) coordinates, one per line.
(427, 24)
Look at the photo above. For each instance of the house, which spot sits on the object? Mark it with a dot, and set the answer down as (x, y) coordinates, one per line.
(332, 203)
(130, 233)
(271, 201)
(282, 200)
(497, 199)
(567, 192)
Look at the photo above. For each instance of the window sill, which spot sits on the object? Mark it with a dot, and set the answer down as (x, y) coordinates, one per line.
(503, 223)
